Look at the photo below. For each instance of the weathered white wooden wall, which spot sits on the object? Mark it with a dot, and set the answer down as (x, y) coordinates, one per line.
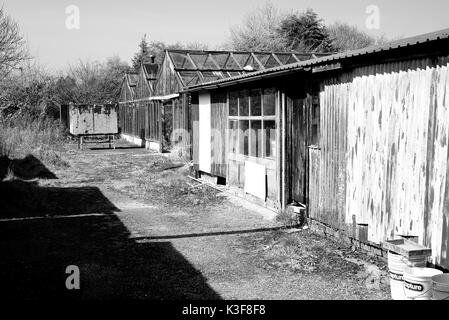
(396, 154)
(204, 133)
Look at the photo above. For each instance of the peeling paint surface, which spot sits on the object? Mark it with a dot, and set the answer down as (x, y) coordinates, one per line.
(93, 119)
(387, 133)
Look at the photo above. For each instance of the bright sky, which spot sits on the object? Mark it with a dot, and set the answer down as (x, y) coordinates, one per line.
(115, 27)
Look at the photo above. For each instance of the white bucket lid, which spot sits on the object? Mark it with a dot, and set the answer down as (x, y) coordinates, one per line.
(421, 272)
(441, 279)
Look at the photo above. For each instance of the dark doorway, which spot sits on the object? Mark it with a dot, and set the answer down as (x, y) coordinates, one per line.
(296, 145)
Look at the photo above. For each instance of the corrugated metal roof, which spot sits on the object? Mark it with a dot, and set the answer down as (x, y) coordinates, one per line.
(407, 42)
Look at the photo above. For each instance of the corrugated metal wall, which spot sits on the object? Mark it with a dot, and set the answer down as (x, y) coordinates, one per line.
(384, 154)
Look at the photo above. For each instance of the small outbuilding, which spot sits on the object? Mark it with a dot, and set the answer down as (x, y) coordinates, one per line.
(359, 139)
(158, 115)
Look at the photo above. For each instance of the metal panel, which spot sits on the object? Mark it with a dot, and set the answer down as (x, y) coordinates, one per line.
(93, 119)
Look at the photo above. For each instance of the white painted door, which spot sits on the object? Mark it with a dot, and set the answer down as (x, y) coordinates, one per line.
(204, 133)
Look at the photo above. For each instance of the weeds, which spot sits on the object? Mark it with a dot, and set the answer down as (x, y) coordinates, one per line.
(22, 134)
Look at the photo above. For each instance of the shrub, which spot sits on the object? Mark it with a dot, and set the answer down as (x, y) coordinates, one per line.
(22, 134)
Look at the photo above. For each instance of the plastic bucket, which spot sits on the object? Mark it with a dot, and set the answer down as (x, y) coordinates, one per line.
(396, 266)
(440, 287)
(418, 282)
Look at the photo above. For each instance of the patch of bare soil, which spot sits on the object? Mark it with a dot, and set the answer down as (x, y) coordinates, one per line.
(308, 253)
(141, 175)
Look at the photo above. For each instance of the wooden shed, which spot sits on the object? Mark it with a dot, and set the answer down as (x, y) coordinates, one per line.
(159, 116)
(359, 138)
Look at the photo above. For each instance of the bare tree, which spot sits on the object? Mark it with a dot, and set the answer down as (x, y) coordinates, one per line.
(346, 37)
(92, 81)
(259, 31)
(12, 44)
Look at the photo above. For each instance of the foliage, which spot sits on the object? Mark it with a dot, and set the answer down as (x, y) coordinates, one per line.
(23, 133)
(269, 29)
(156, 48)
(12, 44)
(305, 32)
(143, 55)
(92, 82)
(31, 88)
(346, 37)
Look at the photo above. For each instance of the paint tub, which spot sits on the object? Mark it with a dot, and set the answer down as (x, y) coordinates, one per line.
(440, 287)
(418, 282)
(396, 266)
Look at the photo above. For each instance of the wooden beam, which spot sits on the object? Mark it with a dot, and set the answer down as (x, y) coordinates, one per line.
(227, 59)
(191, 60)
(213, 60)
(282, 125)
(235, 60)
(296, 58)
(200, 76)
(207, 70)
(277, 59)
(246, 62)
(257, 60)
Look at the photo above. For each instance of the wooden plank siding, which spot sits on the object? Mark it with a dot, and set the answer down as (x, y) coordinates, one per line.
(384, 151)
(219, 120)
(180, 137)
(167, 81)
(126, 93)
(195, 131)
(143, 88)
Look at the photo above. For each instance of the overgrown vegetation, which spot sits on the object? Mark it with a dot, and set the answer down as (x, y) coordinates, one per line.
(23, 134)
(156, 49)
(268, 28)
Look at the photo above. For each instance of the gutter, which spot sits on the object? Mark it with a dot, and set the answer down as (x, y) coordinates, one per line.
(162, 98)
(249, 78)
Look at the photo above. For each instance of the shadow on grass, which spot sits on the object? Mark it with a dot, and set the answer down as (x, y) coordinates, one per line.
(36, 252)
(21, 199)
(212, 234)
(27, 168)
(116, 148)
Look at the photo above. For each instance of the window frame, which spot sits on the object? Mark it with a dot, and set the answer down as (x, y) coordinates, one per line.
(262, 118)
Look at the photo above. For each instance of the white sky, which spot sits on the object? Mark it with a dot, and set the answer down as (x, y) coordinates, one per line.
(115, 27)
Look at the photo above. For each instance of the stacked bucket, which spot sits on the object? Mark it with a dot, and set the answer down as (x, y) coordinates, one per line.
(411, 280)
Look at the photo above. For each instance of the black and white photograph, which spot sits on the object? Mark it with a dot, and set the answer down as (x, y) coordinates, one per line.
(224, 155)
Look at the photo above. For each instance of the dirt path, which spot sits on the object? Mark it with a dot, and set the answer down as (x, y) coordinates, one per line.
(138, 228)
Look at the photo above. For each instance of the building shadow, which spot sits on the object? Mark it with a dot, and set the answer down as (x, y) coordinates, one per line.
(22, 199)
(26, 169)
(35, 252)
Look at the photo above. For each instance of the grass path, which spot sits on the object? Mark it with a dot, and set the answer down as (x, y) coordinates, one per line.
(136, 230)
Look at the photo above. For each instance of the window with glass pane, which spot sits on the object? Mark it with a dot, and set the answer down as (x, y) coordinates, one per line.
(244, 103)
(243, 137)
(269, 127)
(256, 103)
(233, 103)
(256, 138)
(269, 103)
(233, 135)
